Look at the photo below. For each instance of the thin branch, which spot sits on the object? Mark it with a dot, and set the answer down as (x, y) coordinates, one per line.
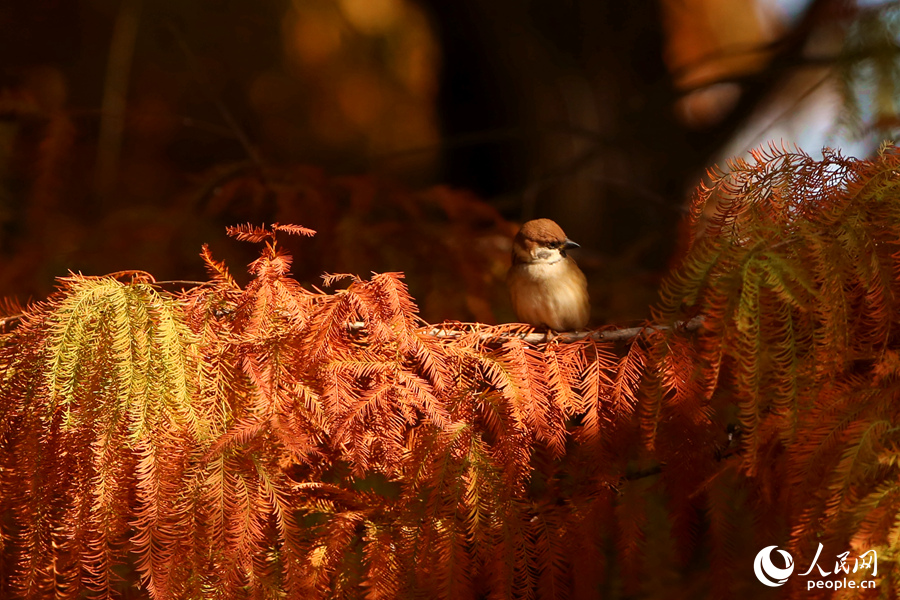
(194, 65)
(795, 39)
(458, 330)
(182, 282)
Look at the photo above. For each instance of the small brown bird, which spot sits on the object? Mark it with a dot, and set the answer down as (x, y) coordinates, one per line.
(546, 286)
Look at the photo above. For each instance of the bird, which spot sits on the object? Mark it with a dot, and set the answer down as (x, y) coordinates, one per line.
(546, 287)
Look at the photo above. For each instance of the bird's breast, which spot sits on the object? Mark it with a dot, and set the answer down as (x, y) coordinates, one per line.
(550, 295)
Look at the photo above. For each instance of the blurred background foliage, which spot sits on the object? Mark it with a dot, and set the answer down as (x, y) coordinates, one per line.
(413, 135)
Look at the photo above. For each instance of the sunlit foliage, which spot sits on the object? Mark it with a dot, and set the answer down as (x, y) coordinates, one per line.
(274, 441)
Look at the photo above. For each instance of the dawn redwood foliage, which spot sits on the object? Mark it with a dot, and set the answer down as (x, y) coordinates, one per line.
(273, 441)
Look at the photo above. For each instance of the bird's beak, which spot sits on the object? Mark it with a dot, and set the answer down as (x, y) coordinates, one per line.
(569, 244)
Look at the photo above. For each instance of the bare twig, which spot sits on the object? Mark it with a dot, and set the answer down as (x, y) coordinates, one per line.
(200, 75)
(451, 331)
(183, 282)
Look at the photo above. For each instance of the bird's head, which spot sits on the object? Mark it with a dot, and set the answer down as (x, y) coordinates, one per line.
(541, 241)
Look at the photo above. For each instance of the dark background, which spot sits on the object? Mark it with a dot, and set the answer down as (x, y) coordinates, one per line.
(413, 135)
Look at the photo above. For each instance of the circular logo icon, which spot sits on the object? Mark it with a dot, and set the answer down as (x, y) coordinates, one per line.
(768, 573)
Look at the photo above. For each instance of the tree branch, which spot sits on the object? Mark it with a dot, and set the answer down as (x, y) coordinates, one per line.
(452, 331)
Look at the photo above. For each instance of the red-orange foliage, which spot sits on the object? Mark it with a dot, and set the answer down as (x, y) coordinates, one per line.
(271, 441)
